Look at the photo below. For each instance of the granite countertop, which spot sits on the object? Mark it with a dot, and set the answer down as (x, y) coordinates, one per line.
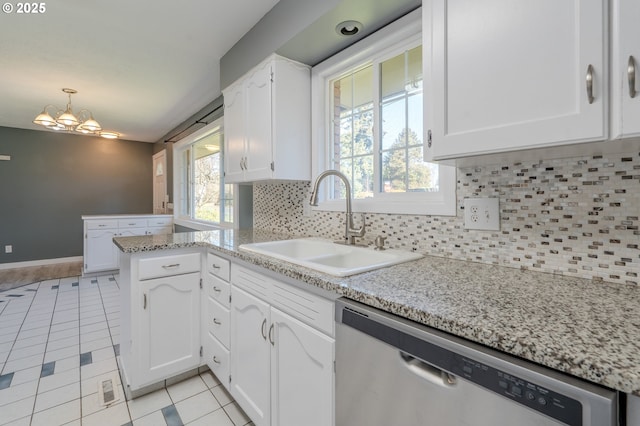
(585, 328)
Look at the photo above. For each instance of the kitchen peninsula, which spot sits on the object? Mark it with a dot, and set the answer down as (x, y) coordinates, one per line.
(584, 328)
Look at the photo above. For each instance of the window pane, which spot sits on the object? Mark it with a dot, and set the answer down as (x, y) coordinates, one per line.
(414, 119)
(393, 124)
(420, 178)
(207, 186)
(363, 133)
(352, 149)
(363, 177)
(394, 170)
(401, 127)
(346, 167)
(227, 211)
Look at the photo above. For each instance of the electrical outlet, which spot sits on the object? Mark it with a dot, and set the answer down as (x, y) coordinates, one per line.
(8, 249)
(482, 214)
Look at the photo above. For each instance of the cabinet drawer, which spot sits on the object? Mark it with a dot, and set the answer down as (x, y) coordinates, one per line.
(217, 358)
(314, 310)
(218, 322)
(160, 221)
(102, 224)
(132, 223)
(219, 290)
(168, 265)
(218, 266)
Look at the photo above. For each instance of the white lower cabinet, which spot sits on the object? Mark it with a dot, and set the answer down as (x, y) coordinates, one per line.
(169, 324)
(281, 367)
(160, 300)
(301, 373)
(250, 350)
(100, 253)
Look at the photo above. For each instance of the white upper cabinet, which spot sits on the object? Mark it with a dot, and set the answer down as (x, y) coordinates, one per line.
(625, 69)
(267, 123)
(505, 75)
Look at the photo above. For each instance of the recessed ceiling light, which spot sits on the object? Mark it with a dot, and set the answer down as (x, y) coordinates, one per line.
(348, 28)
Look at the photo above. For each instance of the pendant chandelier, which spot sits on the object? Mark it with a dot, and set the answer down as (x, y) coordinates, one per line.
(66, 120)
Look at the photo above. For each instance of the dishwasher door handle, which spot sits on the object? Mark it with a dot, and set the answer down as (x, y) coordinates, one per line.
(427, 371)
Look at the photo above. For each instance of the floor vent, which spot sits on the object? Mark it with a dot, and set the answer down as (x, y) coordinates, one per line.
(108, 391)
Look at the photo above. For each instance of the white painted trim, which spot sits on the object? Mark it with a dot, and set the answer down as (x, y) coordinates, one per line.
(40, 262)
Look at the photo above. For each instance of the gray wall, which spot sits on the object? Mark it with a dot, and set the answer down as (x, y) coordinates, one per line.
(54, 178)
(287, 19)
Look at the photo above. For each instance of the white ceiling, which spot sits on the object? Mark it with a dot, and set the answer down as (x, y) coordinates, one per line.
(141, 67)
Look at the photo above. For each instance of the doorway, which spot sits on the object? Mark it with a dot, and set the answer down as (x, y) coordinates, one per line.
(160, 196)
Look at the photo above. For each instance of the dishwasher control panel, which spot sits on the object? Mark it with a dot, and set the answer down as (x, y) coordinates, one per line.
(546, 401)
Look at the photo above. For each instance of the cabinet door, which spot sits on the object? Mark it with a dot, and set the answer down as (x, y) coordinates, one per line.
(302, 373)
(258, 124)
(170, 326)
(249, 350)
(625, 68)
(504, 75)
(234, 133)
(101, 253)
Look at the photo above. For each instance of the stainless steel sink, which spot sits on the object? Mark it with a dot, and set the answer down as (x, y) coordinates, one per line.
(328, 257)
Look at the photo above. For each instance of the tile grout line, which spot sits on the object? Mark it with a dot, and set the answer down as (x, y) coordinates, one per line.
(125, 402)
(55, 303)
(18, 332)
(33, 408)
(115, 280)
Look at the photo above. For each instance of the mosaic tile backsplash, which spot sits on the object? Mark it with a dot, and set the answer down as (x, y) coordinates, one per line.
(572, 216)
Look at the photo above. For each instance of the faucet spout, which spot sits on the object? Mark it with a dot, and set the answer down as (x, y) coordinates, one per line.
(350, 230)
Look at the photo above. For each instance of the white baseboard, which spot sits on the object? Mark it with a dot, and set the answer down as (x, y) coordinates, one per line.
(40, 262)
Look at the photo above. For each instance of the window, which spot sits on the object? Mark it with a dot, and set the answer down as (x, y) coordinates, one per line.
(372, 96)
(203, 199)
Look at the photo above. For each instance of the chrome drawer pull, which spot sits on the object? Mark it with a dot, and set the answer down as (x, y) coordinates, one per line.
(216, 289)
(214, 266)
(216, 360)
(172, 266)
(631, 75)
(216, 322)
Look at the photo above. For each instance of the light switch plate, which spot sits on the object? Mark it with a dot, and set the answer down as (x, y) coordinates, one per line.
(482, 213)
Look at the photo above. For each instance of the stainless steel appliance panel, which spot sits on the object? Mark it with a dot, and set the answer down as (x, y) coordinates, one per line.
(390, 371)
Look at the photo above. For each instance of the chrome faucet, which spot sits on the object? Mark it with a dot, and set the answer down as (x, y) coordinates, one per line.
(350, 232)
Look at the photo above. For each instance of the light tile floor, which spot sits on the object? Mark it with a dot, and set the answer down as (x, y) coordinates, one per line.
(59, 340)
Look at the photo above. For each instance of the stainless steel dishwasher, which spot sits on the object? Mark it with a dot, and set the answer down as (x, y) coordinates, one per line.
(395, 372)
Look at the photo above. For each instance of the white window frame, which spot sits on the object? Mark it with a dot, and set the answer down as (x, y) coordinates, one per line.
(180, 216)
(386, 43)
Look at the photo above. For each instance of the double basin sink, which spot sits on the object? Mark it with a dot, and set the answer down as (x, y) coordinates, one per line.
(329, 257)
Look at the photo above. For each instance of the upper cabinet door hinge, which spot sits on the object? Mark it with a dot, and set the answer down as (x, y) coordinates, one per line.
(273, 166)
(429, 140)
(271, 76)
